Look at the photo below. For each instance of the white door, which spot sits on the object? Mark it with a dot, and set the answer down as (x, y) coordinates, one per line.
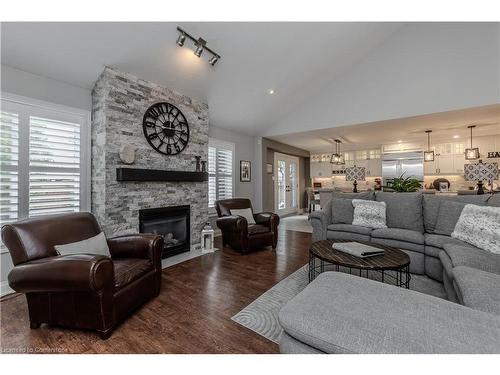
(286, 183)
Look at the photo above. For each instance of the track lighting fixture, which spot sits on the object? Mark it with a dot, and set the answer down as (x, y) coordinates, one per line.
(200, 46)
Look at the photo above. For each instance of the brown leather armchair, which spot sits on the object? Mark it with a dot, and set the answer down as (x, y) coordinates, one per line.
(238, 234)
(83, 291)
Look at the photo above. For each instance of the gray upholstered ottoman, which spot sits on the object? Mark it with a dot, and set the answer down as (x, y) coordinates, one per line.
(340, 313)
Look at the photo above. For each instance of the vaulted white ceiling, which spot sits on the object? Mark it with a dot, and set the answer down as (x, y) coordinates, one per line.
(294, 59)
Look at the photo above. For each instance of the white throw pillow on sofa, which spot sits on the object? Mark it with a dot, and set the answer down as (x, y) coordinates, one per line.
(369, 214)
(93, 245)
(246, 213)
(479, 226)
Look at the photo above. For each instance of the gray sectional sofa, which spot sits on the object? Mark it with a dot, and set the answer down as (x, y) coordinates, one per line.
(339, 313)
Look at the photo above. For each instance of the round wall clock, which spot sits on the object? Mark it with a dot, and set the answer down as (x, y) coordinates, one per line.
(165, 128)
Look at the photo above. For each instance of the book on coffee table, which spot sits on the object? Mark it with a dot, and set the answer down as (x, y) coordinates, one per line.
(357, 249)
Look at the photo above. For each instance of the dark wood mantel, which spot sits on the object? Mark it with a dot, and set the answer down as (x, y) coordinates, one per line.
(139, 174)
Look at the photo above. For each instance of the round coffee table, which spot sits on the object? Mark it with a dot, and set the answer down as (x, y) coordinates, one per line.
(392, 267)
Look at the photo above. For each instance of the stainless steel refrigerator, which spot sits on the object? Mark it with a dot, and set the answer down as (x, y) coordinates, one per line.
(409, 163)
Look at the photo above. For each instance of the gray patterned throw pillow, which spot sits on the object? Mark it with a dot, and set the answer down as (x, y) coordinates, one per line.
(369, 214)
(479, 226)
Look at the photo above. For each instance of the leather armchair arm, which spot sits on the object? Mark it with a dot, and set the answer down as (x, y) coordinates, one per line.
(145, 246)
(232, 223)
(68, 273)
(269, 219)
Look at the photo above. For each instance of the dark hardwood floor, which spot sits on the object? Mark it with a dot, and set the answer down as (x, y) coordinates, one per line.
(192, 314)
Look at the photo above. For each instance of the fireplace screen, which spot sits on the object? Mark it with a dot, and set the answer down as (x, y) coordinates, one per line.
(172, 223)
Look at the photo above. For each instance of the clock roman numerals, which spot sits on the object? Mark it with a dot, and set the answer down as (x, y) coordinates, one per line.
(165, 128)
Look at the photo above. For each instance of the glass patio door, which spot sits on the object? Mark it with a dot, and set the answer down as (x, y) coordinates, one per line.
(286, 183)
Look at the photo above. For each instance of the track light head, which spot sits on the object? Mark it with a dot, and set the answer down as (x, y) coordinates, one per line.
(213, 60)
(200, 45)
(181, 39)
(198, 51)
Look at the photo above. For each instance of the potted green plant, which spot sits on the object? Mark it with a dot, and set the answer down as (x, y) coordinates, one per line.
(404, 184)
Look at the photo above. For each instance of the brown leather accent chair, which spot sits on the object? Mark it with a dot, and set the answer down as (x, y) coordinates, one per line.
(238, 234)
(83, 291)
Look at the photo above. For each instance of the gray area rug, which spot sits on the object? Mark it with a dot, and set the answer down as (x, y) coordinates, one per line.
(261, 316)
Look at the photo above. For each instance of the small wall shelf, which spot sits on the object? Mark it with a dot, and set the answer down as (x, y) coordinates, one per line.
(137, 174)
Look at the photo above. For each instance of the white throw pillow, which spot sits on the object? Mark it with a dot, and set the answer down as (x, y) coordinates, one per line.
(479, 226)
(369, 214)
(246, 213)
(93, 245)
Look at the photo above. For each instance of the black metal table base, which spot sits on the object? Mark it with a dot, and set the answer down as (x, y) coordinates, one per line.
(399, 277)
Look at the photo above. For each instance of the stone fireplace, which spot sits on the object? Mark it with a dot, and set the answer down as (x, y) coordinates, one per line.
(119, 101)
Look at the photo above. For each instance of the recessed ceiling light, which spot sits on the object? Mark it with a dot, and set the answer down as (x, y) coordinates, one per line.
(456, 136)
(271, 92)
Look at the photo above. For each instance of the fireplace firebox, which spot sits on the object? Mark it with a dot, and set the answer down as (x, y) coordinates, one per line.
(172, 223)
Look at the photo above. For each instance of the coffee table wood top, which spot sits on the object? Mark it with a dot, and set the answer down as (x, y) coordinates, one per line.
(392, 259)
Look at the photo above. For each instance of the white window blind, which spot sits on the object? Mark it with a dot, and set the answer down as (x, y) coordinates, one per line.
(220, 171)
(44, 160)
(54, 171)
(9, 165)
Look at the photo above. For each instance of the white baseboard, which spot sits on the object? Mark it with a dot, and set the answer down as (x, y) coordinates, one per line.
(5, 288)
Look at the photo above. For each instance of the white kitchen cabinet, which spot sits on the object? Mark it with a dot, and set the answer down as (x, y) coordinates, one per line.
(430, 167)
(322, 169)
(445, 164)
(374, 168)
(458, 163)
(314, 169)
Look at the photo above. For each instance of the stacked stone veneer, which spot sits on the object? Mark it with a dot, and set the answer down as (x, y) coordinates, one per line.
(119, 101)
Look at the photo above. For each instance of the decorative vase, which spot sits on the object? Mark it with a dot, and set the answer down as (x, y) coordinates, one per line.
(198, 158)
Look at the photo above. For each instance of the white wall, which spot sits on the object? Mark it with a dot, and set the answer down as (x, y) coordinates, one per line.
(22, 83)
(422, 68)
(244, 150)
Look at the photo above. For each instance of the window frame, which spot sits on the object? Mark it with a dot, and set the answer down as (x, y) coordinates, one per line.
(218, 143)
(26, 107)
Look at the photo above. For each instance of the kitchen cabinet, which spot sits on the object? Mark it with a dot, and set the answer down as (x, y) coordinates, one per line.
(445, 164)
(448, 159)
(321, 169)
(373, 168)
(399, 147)
(370, 159)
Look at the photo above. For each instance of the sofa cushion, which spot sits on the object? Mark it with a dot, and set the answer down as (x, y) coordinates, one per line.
(128, 270)
(439, 240)
(473, 257)
(350, 228)
(342, 211)
(399, 234)
(478, 289)
(404, 210)
(432, 202)
(494, 200)
(448, 215)
(350, 236)
(447, 265)
(399, 244)
(366, 195)
(341, 313)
